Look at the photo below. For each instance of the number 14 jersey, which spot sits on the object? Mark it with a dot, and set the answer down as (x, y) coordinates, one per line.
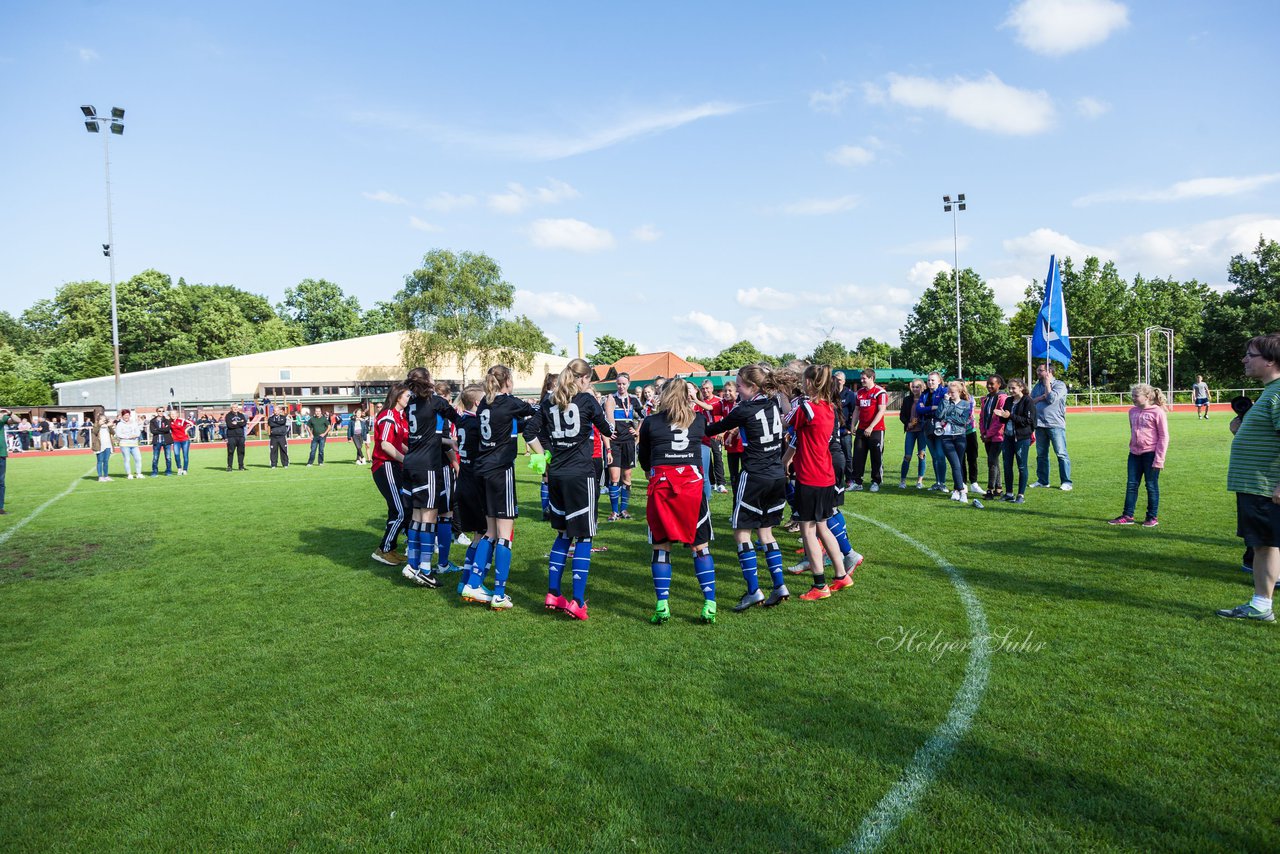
(762, 428)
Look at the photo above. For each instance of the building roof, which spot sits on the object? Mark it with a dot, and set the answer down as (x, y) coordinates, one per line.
(649, 365)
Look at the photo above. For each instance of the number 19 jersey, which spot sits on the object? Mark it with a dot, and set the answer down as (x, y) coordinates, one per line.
(569, 432)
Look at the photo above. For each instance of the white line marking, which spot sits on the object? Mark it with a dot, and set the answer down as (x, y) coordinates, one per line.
(4, 537)
(932, 757)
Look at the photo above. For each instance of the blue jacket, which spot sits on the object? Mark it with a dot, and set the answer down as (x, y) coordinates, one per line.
(929, 402)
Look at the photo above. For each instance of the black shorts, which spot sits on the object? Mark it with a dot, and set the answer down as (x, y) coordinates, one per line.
(1257, 520)
(427, 489)
(814, 503)
(500, 494)
(758, 501)
(468, 504)
(624, 455)
(838, 500)
(573, 504)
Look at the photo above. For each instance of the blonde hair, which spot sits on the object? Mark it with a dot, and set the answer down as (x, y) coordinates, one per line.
(675, 404)
(823, 385)
(1150, 392)
(567, 383)
(495, 381)
(759, 376)
(964, 392)
(471, 396)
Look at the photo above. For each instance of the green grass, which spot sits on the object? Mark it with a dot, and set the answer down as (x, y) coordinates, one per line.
(214, 662)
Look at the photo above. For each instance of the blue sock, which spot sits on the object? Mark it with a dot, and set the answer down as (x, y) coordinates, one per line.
(501, 566)
(414, 547)
(426, 544)
(773, 559)
(555, 566)
(581, 566)
(704, 567)
(615, 492)
(444, 540)
(750, 565)
(624, 497)
(470, 560)
(481, 565)
(836, 525)
(545, 492)
(661, 574)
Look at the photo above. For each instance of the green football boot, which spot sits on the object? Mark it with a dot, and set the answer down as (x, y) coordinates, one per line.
(709, 611)
(661, 613)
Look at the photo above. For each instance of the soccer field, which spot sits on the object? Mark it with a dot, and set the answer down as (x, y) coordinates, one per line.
(213, 662)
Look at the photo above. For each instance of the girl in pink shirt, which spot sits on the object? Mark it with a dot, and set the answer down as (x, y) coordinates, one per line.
(1148, 442)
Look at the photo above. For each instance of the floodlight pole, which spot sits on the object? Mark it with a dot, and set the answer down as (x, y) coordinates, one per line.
(954, 209)
(115, 124)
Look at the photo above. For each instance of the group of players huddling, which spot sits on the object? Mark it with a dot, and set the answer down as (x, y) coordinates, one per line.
(453, 469)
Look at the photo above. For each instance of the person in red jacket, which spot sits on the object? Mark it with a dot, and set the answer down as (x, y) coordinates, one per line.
(182, 428)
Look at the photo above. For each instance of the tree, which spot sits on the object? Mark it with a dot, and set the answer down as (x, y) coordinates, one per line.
(736, 356)
(452, 306)
(1248, 309)
(609, 350)
(929, 338)
(831, 353)
(321, 310)
(379, 319)
(20, 380)
(875, 354)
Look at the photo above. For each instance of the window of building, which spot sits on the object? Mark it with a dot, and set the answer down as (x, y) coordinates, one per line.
(286, 375)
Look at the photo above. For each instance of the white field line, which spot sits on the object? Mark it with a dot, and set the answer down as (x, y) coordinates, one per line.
(932, 756)
(4, 537)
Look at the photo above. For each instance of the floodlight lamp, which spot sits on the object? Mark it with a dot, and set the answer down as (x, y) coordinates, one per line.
(946, 200)
(106, 249)
(946, 208)
(117, 128)
(88, 111)
(962, 207)
(117, 113)
(91, 127)
(959, 198)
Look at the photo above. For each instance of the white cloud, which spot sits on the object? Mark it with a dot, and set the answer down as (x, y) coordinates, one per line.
(763, 298)
(543, 146)
(1092, 108)
(713, 334)
(1059, 27)
(922, 273)
(445, 202)
(1043, 242)
(422, 224)
(1196, 188)
(832, 100)
(555, 304)
(516, 199)
(820, 207)
(1010, 290)
(772, 299)
(645, 233)
(385, 197)
(986, 103)
(851, 155)
(88, 54)
(572, 234)
(1201, 250)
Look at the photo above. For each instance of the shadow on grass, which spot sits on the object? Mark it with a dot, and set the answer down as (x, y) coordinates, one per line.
(1012, 782)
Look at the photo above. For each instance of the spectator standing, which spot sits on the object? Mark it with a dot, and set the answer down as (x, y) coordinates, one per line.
(160, 427)
(952, 424)
(912, 434)
(24, 433)
(1200, 392)
(847, 413)
(712, 463)
(5, 418)
(873, 402)
(100, 444)
(319, 426)
(46, 435)
(1049, 396)
(278, 427)
(1019, 430)
(356, 432)
(127, 432)
(733, 447)
(73, 432)
(1148, 443)
(1253, 474)
(233, 425)
(991, 427)
(927, 408)
(182, 428)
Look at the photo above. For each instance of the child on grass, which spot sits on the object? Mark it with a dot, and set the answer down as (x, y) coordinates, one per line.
(1148, 443)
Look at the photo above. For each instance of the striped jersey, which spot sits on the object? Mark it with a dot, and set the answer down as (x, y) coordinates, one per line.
(1254, 466)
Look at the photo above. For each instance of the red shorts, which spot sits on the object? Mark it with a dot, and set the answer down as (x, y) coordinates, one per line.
(676, 508)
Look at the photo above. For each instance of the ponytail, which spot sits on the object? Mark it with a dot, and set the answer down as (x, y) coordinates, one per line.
(419, 382)
(675, 404)
(495, 381)
(820, 377)
(759, 376)
(567, 383)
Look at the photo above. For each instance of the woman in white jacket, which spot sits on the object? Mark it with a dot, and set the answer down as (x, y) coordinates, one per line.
(127, 431)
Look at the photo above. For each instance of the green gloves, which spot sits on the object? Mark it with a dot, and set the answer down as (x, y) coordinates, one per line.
(538, 462)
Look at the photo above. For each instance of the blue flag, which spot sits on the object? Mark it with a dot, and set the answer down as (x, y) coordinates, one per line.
(1050, 339)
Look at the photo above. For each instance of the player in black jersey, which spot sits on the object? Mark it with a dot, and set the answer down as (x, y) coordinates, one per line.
(761, 493)
(670, 449)
(548, 383)
(425, 473)
(499, 415)
(626, 417)
(468, 504)
(566, 418)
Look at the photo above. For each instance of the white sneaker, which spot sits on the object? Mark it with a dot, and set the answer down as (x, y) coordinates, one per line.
(964, 496)
(902, 484)
(501, 603)
(462, 540)
(875, 487)
(408, 571)
(974, 487)
(1035, 484)
(475, 594)
(1066, 487)
(955, 495)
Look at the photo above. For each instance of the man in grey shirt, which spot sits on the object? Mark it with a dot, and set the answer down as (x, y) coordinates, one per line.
(1049, 395)
(1200, 391)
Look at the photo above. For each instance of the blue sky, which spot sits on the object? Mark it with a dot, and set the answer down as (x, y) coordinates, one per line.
(679, 175)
